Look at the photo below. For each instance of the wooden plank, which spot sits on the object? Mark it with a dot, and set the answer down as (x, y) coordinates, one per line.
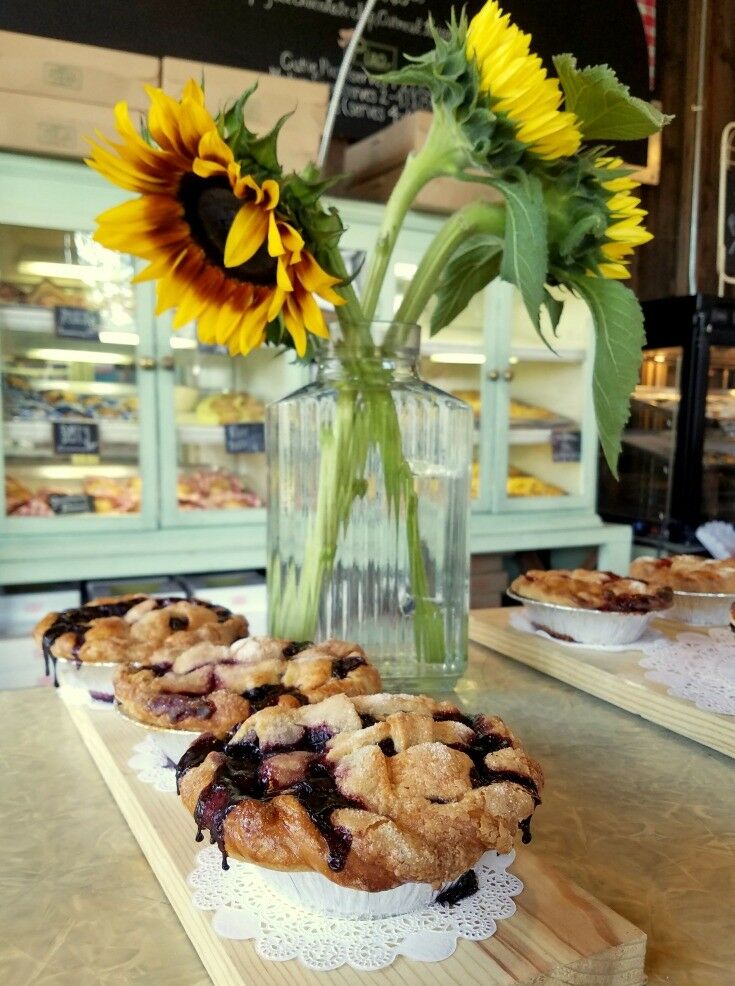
(559, 935)
(615, 677)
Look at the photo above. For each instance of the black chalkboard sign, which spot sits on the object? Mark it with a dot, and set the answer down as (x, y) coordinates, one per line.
(245, 437)
(76, 438)
(566, 445)
(76, 323)
(63, 503)
(305, 39)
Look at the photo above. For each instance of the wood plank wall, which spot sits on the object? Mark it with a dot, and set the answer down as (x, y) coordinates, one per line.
(662, 267)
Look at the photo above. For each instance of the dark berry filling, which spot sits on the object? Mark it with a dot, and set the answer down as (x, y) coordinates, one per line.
(368, 720)
(179, 706)
(387, 747)
(178, 622)
(454, 716)
(342, 666)
(266, 695)
(463, 887)
(295, 647)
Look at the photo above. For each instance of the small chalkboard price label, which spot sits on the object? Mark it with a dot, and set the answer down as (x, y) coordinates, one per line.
(245, 437)
(76, 437)
(76, 323)
(566, 445)
(67, 503)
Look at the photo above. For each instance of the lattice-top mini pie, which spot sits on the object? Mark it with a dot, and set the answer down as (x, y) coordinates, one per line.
(135, 629)
(582, 589)
(213, 688)
(687, 573)
(372, 792)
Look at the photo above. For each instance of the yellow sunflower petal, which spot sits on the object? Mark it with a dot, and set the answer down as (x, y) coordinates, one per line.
(247, 234)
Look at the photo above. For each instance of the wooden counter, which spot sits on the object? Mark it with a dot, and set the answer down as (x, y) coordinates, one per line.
(640, 817)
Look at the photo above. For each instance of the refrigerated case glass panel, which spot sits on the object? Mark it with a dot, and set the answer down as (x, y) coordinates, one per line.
(219, 404)
(546, 405)
(68, 344)
(646, 462)
(718, 462)
(454, 359)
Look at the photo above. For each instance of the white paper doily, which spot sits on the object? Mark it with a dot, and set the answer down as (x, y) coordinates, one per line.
(153, 766)
(697, 666)
(247, 908)
(519, 621)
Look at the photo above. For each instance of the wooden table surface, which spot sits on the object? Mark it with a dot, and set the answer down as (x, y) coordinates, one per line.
(642, 818)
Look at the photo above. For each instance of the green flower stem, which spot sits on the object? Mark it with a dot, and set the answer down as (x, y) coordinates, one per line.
(477, 217)
(441, 154)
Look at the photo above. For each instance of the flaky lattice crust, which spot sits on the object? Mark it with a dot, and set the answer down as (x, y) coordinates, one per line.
(214, 688)
(136, 629)
(687, 573)
(585, 589)
(371, 791)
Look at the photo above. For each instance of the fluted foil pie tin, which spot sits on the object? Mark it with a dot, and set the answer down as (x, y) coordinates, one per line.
(587, 626)
(316, 893)
(701, 609)
(172, 742)
(85, 683)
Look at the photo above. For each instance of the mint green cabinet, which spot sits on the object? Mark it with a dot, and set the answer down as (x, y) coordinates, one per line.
(168, 474)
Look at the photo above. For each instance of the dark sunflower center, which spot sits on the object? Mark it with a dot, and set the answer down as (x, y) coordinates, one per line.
(210, 209)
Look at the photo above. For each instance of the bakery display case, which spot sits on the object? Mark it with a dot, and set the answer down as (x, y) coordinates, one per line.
(130, 449)
(677, 468)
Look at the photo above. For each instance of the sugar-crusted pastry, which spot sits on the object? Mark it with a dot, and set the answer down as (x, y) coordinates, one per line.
(687, 573)
(214, 688)
(584, 589)
(135, 629)
(370, 791)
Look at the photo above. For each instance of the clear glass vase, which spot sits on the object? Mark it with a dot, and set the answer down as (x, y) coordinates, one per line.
(368, 509)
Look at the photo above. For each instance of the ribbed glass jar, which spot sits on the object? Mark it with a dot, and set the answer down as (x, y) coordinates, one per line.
(368, 509)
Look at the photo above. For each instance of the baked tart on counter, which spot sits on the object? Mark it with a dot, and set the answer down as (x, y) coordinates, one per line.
(371, 792)
(583, 589)
(214, 688)
(135, 629)
(687, 573)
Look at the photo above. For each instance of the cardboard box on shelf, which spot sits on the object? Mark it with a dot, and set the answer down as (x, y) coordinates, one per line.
(374, 165)
(53, 127)
(61, 70)
(299, 139)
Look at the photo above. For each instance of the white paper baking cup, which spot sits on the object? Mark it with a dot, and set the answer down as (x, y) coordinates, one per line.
(587, 626)
(701, 609)
(86, 683)
(316, 893)
(172, 742)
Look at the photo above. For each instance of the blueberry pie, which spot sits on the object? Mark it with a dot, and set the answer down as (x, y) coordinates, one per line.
(583, 589)
(135, 629)
(372, 791)
(687, 573)
(214, 688)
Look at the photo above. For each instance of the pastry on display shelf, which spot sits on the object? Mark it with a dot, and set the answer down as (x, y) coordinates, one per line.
(214, 489)
(521, 411)
(232, 408)
(114, 496)
(523, 484)
(469, 396)
(16, 494)
(371, 792)
(135, 628)
(214, 688)
(687, 573)
(584, 589)
(22, 402)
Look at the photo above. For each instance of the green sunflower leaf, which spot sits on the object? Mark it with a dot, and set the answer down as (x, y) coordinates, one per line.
(555, 309)
(619, 338)
(525, 250)
(603, 105)
(471, 268)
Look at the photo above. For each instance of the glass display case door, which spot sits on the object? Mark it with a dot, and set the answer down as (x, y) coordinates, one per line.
(76, 350)
(544, 429)
(212, 462)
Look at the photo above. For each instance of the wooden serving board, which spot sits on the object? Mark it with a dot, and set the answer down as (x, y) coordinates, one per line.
(614, 676)
(559, 935)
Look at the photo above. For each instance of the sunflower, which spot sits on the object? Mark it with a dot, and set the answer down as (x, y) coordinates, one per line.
(215, 241)
(517, 86)
(625, 231)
